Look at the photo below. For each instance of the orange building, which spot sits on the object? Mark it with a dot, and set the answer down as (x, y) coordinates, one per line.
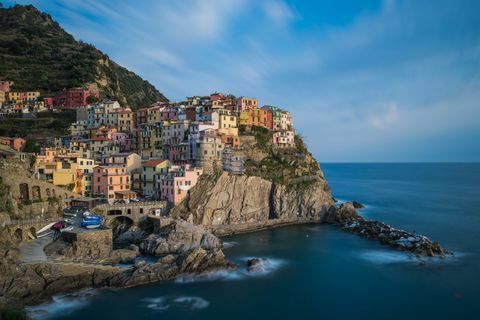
(257, 117)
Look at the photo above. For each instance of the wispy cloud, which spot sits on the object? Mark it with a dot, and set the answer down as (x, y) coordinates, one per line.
(404, 68)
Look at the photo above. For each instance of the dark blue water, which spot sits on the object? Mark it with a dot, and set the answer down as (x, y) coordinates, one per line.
(320, 272)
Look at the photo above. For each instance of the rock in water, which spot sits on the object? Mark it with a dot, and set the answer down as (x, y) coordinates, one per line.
(357, 205)
(256, 265)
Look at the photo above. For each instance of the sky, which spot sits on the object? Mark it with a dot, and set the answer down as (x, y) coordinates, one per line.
(366, 81)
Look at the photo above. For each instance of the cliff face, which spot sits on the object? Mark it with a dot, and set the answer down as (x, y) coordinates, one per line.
(230, 203)
(280, 186)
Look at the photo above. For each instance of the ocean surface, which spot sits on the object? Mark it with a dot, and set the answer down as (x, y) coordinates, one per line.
(321, 272)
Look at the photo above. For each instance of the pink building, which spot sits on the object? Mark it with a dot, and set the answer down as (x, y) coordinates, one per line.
(175, 185)
(107, 180)
(169, 114)
(16, 144)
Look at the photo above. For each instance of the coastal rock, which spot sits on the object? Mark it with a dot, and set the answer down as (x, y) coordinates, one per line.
(341, 214)
(256, 264)
(347, 218)
(178, 238)
(357, 205)
(123, 256)
(218, 201)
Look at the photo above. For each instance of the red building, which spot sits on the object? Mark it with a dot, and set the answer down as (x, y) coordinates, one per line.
(191, 113)
(74, 98)
(142, 116)
(48, 102)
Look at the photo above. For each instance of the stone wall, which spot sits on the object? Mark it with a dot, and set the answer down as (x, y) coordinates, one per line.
(88, 245)
(23, 197)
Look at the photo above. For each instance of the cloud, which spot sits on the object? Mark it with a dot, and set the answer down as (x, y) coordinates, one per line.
(405, 68)
(387, 118)
(278, 11)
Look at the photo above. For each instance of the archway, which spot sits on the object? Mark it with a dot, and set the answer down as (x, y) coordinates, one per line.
(47, 191)
(36, 195)
(32, 233)
(120, 225)
(18, 234)
(24, 193)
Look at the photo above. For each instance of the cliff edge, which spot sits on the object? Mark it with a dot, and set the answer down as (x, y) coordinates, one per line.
(279, 187)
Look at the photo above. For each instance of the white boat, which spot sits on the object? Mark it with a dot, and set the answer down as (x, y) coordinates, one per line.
(69, 228)
(44, 230)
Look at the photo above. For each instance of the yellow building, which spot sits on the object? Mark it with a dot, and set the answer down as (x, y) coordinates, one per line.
(227, 119)
(14, 97)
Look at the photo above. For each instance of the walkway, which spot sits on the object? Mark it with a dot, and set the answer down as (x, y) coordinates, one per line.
(33, 251)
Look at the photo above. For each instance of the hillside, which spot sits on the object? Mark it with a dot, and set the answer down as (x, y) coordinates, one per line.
(38, 54)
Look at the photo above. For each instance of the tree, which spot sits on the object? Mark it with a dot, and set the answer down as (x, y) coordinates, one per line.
(31, 147)
(92, 99)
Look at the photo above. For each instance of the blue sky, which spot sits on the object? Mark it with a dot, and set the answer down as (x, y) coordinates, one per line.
(365, 80)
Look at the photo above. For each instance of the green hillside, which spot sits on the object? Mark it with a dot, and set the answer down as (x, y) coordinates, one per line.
(37, 53)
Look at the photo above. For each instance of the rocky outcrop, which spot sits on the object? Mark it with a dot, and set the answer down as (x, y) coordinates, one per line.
(182, 248)
(347, 218)
(232, 200)
(178, 238)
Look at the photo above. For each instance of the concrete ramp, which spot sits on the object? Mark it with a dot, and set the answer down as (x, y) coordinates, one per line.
(33, 251)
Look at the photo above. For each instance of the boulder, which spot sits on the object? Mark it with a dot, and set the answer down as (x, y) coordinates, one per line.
(123, 256)
(178, 238)
(357, 205)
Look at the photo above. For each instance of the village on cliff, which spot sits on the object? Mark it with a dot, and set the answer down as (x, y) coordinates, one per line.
(114, 154)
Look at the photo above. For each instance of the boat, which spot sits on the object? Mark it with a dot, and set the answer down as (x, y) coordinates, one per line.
(93, 222)
(45, 229)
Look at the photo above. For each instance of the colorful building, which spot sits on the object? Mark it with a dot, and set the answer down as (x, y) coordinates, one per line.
(256, 117)
(109, 179)
(284, 139)
(151, 172)
(246, 104)
(16, 144)
(175, 185)
(74, 98)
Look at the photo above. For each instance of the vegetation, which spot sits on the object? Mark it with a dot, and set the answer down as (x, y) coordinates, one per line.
(293, 167)
(47, 124)
(37, 54)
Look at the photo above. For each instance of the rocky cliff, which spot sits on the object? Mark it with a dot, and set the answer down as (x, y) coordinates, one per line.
(279, 187)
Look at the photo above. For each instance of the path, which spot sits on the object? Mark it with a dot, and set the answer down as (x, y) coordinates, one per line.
(33, 251)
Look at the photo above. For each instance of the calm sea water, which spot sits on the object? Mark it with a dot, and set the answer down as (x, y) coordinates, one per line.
(320, 272)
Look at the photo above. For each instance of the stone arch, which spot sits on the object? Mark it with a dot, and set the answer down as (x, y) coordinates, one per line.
(122, 220)
(18, 234)
(24, 193)
(115, 212)
(47, 191)
(36, 193)
(33, 232)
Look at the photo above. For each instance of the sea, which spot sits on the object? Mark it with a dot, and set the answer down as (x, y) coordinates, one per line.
(321, 272)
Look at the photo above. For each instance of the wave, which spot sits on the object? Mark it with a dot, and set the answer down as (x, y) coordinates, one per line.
(396, 257)
(270, 265)
(61, 305)
(229, 244)
(167, 302)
